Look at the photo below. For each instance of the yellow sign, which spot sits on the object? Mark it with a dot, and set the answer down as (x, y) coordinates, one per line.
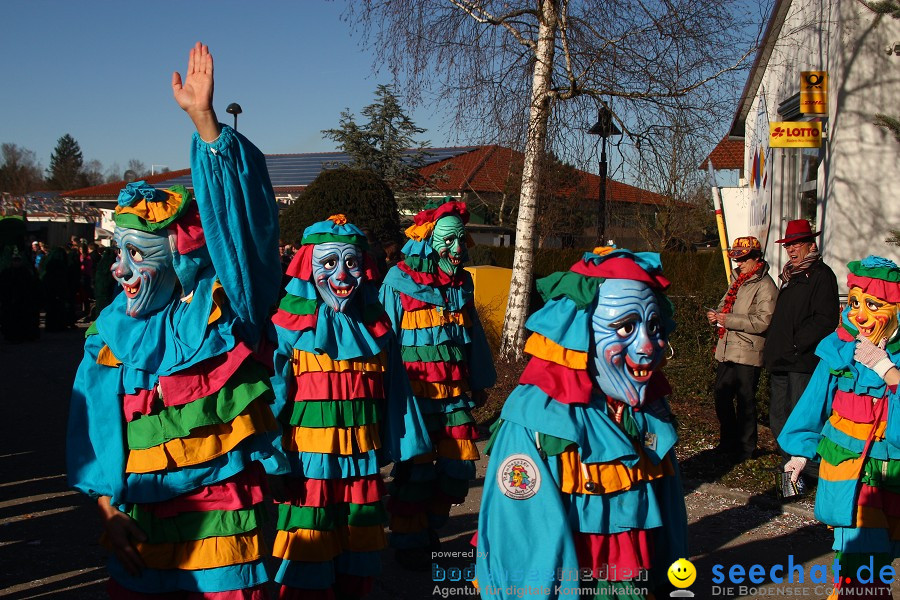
(795, 134)
(814, 92)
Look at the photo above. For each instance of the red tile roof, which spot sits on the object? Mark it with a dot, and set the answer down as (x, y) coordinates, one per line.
(728, 154)
(112, 189)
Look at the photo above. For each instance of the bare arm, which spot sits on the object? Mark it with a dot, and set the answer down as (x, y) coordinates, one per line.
(195, 94)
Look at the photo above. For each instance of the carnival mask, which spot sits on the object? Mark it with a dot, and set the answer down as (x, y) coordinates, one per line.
(145, 270)
(629, 339)
(875, 318)
(337, 272)
(449, 241)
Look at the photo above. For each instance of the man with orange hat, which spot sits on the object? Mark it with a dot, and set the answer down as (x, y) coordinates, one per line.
(741, 319)
(807, 310)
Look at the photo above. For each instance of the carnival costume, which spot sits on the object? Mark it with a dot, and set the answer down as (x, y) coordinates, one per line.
(346, 408)
(848, 417)
(430, 301)
(582, 473)
(170, 415)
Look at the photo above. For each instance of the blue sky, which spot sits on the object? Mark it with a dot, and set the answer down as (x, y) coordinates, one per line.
(101, 71)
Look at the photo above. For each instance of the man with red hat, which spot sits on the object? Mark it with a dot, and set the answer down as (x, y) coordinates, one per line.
(807, 310)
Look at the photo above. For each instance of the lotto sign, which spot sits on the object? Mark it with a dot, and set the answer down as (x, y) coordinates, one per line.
(814, 92)
(791, 134)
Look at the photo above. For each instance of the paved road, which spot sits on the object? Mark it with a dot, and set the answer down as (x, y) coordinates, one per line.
(48, 534)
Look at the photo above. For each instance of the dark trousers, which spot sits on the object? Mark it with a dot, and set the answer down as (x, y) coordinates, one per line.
(735, 394)
(785, 389)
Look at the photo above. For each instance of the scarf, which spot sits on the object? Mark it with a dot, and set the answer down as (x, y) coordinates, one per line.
(731, 294)
(790, 270)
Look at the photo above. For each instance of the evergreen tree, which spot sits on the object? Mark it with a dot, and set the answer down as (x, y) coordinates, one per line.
(386, 144)
(361, 195)
(66, 164)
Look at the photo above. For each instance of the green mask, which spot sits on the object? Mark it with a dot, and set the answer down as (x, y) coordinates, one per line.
(449, 241)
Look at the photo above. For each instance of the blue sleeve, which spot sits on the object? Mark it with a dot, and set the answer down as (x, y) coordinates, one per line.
(892, 433)
(390, 299)
(523, 543)
(404, 434)
(482, 374)
(803, 431)
(240, 222)
(95, 440)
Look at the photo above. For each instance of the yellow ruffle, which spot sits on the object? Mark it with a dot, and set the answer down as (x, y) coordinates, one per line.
(856, 430)
(154, 212)
(307, 362)
(458, 449)
(545, 348)
(307, 545)
(107, 358)
(333, 440)
(219, 300)
(437, 391)
(607, 477)
(847, 470)
(204, 443)
(423, 319)
(312, 545)
(419, 232)
(207, 553)
(868, 516)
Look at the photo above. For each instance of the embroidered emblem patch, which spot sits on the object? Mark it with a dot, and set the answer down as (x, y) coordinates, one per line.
(518, 477)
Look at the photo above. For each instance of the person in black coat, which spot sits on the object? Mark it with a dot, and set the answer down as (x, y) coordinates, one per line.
(807, 310)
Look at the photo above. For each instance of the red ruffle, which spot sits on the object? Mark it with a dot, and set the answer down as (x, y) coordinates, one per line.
(614, 556)
(203, 379)
(235, 493)
(301, 265)
(569, 386)
(344, 385)
(859, 409)
(325, 492)
(189, 231)
(466, 431)
(353, 586)
(289, 593)
(844, 335)
(139, 403)
(437, 372)
(282, 318)
(431, 279)
(409, 303)
(880, 498)
(117, 592)
(884, 290)
(380, 326)
(448, 208)
(618, 267)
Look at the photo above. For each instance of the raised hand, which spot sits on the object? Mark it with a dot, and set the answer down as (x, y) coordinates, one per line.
(195, 93)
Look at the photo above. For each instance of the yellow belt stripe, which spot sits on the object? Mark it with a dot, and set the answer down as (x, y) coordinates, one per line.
(306, 362)
(423, 319)
(607, 477)
(437, 391)
(458, 449)
(312, 545)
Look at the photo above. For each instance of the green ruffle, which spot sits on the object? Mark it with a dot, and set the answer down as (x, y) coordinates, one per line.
(834, 454)
(248, 383)
(552, 445)
(319, 238)
(297, 305)
(132, 221)
(890, 274)
(327, 518)
(197, 525)
(420, 263)
(494, 429)
(334, 413)
(434, 421)
(441, 353)
(882, 474)
(580, 289)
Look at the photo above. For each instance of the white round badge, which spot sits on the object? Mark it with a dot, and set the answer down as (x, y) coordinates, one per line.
(518, 477)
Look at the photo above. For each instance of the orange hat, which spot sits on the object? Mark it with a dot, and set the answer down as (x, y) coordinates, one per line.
(743, 246)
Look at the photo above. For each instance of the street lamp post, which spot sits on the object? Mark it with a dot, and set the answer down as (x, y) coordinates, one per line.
(234, 109)
(605, 128)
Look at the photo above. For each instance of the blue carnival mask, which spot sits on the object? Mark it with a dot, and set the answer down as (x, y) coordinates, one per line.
(145, 270)
(337, 271)
(629, 339)
(449, 241)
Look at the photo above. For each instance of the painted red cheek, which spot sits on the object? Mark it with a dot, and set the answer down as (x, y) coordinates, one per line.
(882, 320)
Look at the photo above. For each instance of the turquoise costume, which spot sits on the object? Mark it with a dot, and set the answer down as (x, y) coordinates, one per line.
(346, 408)
(582, 489)
(170, 414)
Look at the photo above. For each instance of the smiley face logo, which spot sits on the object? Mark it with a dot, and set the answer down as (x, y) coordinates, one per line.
(682, 573)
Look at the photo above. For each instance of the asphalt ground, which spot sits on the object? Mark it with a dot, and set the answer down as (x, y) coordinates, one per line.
(49, 533)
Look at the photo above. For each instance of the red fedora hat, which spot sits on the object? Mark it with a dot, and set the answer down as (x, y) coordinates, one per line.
(796, 231)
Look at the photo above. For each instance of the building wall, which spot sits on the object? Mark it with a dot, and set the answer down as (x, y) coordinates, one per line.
(857, 178)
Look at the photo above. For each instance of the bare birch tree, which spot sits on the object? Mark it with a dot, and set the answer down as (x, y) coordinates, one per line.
(531, 74)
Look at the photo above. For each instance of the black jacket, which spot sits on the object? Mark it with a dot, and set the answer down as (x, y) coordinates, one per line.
(807, 310)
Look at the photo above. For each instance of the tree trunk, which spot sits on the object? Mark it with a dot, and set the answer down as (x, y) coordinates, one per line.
(513, 338)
